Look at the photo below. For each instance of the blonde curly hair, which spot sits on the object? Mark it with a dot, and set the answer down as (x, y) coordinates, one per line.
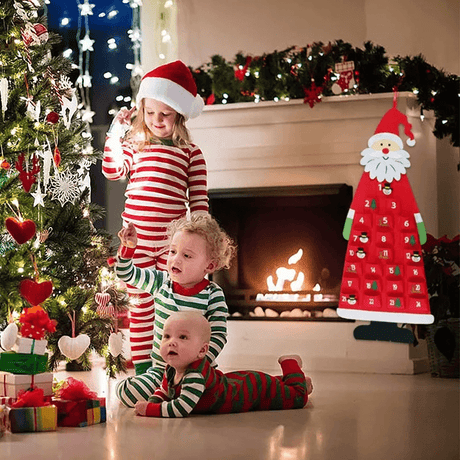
(221, 247)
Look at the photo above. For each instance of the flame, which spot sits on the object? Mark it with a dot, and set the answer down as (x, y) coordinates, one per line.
(287, 274)
(296, 257)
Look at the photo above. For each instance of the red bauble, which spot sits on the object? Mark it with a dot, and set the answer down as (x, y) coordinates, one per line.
(35, 293)
(57, 157)
(5, 165)
(20, 231)
(52, 118)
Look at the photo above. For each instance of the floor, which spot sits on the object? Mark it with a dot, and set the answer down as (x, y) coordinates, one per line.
(348, 417)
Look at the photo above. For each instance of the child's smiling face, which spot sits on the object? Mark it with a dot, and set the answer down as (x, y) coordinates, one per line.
(159, 118)
(188, 259)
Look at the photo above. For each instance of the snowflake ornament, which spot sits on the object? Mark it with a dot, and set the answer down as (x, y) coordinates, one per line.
(65, 187)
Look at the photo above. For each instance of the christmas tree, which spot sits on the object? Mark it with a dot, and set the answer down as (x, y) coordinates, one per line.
(51, 253)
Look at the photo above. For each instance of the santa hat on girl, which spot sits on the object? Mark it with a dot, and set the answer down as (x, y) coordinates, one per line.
(172, 84)
(388, 128)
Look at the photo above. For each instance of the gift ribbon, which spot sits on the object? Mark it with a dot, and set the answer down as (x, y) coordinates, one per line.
(35, 418)
(32, 348)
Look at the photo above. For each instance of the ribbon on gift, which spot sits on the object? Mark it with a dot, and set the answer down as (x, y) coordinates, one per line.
(75, 390)
(30, 398)
(30, 388)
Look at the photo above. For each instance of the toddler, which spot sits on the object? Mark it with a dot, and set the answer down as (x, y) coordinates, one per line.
(198, 247)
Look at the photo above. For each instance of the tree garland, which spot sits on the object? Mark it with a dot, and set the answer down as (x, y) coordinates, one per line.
(315, 71)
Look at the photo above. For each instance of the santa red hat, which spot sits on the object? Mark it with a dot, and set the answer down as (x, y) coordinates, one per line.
(388, 128)
(172, 84)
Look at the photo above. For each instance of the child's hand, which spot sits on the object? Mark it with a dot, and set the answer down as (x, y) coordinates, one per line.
(124, 116)
(141, 407)
(128, 236)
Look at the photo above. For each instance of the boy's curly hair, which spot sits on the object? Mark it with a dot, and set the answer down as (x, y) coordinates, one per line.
(220, 246)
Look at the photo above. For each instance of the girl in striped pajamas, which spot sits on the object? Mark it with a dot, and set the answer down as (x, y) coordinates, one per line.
(191, 385)
(167, 175)
(198, 247)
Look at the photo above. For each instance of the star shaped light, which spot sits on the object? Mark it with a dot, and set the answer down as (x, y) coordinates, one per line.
(87, 44)
(86, 8)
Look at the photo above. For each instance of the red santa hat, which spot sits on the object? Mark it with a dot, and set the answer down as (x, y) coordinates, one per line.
(388, 128)
(172, 84)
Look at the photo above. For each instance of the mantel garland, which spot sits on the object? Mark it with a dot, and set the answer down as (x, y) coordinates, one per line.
(314, 71)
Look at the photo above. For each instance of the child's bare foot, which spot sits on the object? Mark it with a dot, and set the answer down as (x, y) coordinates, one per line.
(295, 357)
(141, 407)
(309, 385)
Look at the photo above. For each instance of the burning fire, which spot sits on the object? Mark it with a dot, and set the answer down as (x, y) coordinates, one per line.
(296, 279)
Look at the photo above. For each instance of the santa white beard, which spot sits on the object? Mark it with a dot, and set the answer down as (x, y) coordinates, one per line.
(385, 166)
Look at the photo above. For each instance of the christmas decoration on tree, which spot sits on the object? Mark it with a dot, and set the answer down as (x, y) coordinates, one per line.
(337, 68)
(51, 254)
(383, 276)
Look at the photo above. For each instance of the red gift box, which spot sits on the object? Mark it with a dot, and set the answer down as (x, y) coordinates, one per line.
(80, 413)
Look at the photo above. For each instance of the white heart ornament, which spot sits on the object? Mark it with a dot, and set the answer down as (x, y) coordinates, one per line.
(9, 336)
(115, 343)
(73, 347)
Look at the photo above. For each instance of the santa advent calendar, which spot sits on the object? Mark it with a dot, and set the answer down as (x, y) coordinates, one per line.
(384, 276)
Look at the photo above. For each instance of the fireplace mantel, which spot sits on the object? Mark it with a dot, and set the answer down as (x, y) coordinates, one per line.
(287, 143)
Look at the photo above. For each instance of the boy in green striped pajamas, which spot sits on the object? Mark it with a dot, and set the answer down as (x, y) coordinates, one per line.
(192, 385)
(198, 247)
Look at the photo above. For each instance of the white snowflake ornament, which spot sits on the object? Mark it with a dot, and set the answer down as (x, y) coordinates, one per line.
(65, 187)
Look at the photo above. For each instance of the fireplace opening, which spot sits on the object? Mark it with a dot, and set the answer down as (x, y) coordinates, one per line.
(290, 250)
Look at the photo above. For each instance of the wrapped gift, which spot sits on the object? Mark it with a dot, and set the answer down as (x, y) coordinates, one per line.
(6, 400)
(31, 346)
(80, 413)
(2, 420)
(25, 419)
(12, 384)
(23, 363)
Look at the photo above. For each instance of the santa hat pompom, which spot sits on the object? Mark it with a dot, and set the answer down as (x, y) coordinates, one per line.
(410, 142)
(174, 85)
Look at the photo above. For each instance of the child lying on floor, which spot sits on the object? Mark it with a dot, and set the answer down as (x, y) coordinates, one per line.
(192, 385)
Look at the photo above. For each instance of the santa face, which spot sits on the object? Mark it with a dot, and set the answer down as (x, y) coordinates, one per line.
(385, 160)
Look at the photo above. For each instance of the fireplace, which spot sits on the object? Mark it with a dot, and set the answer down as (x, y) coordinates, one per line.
(290, 250)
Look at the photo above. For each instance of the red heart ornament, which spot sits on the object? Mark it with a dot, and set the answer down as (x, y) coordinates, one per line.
(20, 231)
(35, 293)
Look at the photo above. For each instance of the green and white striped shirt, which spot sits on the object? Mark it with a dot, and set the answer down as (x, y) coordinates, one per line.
(206, 297)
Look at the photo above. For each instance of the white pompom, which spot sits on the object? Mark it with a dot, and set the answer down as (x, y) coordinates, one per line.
(410, 142)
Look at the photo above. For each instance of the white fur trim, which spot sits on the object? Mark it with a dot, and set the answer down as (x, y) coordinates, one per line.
(384, 136)
(418, 218)
(172, 94)
(351, 213)
(387, 317)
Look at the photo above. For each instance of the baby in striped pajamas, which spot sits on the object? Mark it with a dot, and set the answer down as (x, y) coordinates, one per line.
(198, 247)
(191, 385)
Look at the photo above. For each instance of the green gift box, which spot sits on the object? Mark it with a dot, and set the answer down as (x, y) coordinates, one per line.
(23, 363)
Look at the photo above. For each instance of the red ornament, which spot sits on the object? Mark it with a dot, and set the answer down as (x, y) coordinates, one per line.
(20, 231)
(35, 323)
(35, 293)
(36, 35)
(27, 177)
(57, 157)
(312, 94)
(52, 118)
(211, 99)
(240, 73)
(5, 165)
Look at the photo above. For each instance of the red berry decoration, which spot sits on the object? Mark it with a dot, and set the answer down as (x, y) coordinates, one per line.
(52, 118)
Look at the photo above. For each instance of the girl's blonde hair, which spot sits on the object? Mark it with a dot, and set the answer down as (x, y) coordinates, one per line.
(140, 135)
(220, 246)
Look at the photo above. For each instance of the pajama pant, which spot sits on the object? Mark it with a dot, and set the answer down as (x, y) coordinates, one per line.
(142, 310)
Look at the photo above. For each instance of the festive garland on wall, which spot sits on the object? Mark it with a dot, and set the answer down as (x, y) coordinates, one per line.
(326, 70)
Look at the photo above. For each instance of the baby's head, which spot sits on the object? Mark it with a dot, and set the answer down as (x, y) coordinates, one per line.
(220, 247)
(186, 336)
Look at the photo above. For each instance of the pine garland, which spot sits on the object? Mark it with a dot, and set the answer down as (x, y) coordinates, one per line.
(307, 72)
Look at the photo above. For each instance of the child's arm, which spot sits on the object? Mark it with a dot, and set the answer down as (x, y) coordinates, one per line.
(192, 389)
(117, 160)
(197, 182)
(147, 280)
(217, 316)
